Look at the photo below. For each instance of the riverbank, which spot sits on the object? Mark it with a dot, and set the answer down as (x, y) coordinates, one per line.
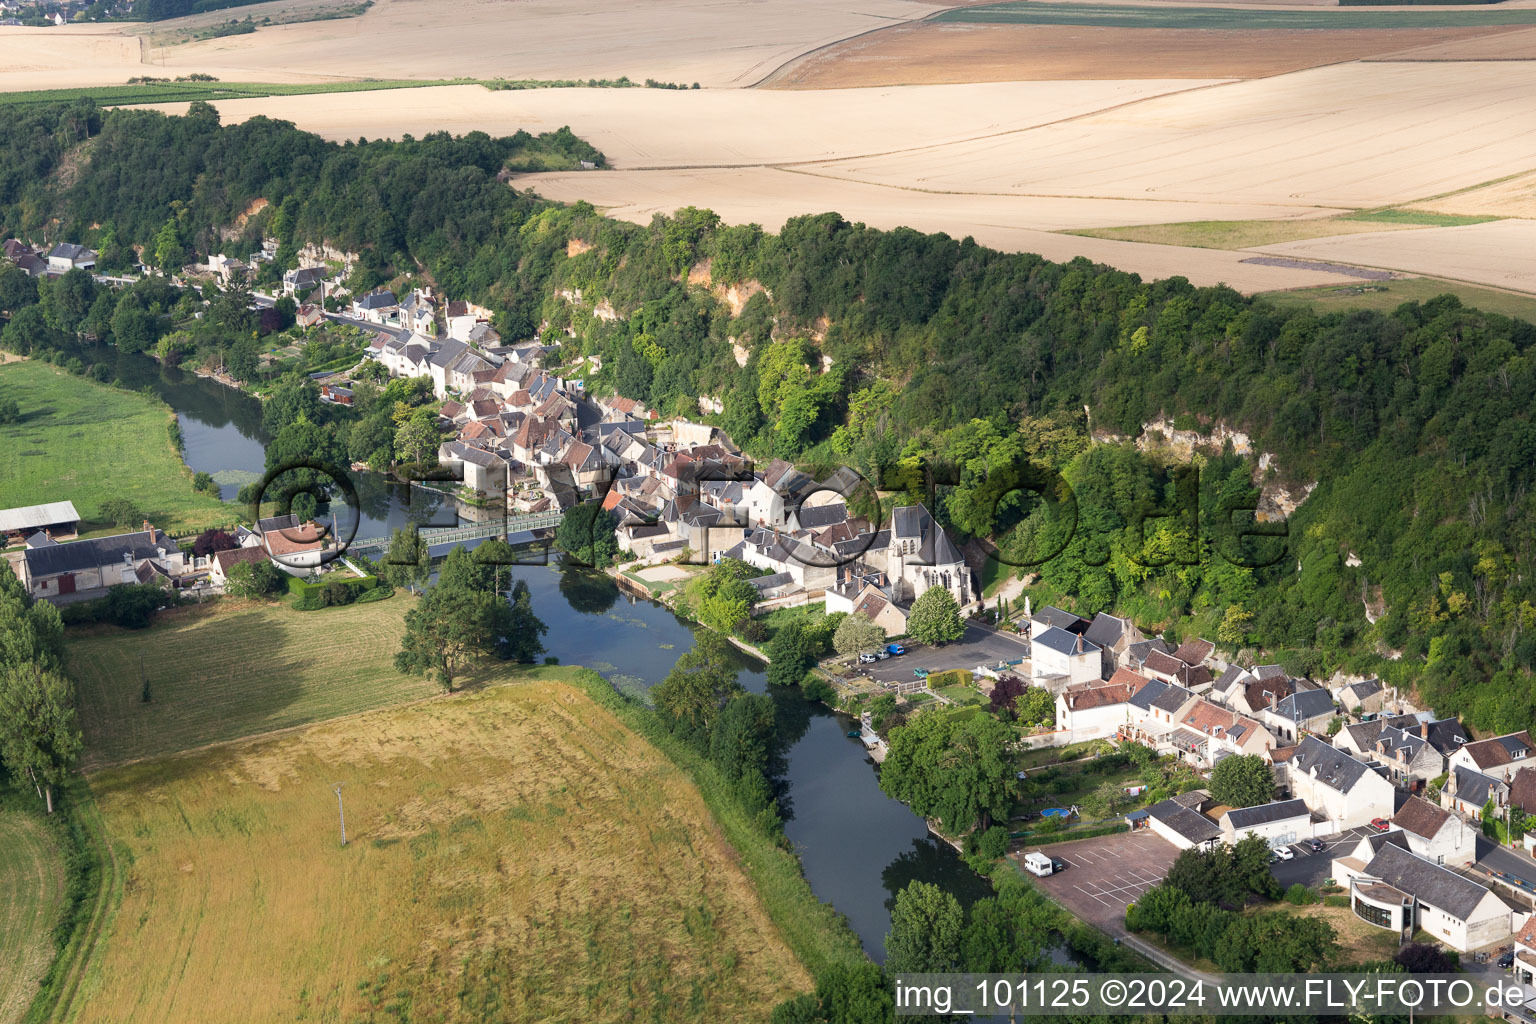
(87, 442)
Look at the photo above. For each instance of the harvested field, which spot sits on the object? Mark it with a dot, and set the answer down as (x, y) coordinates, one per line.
(1498, 253)
(515, 854)
(1514, 196)
(727, 43)
(768, 197)
(942, 52)
(1351, 135)
(234, 670)
(638, 128)
(1518, 44)
(31, 893)
(1172, 15)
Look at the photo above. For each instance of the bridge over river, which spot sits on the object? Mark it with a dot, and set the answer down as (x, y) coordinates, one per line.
(503, 529)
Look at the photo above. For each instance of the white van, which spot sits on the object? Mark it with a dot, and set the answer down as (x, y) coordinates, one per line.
(1038, 864)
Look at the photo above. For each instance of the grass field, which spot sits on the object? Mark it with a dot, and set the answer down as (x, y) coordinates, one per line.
(514, 854)
(1128, 16)
(1388, 295)
(171, 92)
(31, 892)
(1245, 234)
(222, 672)
(86, 442)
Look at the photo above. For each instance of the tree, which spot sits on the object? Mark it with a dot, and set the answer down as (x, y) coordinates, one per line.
(522, 641)
(1007, 934)
(213, 540)
(39, 739)
(1242, 781)
(252, 579)
(857, 633)
(133, 327)
(587, 535)
(789, 655)
(1425, 958)
(408, 564)
(927, 928)
(449, 629)
(955, 770)
(1005, 694)
(121, 512)
(935, 617)
(845, 994)
(417, 438)
(699, 685)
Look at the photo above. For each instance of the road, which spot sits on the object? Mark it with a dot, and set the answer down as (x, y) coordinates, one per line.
(979, 646)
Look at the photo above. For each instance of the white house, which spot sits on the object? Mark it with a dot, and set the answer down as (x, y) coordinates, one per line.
(1436, 834)
(1179, 820)
(1500, 756)
(1060, 659)
(1339, 787)
(1280, 823)
(1400, 891)
(1091, 711)
(67, 256)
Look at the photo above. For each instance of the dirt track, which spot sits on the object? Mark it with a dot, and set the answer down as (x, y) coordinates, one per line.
(940, 53)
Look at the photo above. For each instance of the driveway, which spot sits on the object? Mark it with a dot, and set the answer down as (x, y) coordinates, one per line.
(1105, 874)
(979, 646)
(1310, 868)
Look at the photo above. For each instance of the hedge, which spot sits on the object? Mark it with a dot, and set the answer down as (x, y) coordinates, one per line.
(356, 584)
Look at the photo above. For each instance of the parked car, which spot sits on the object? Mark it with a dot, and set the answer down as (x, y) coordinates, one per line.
(1285, 853)
(1317, 845)
(1057, 864)
(895, 649)
(882, 655)
(867, 659)
(1381, 824)
(1507, 960)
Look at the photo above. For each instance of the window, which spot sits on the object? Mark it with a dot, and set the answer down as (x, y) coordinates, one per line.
(1378, 916)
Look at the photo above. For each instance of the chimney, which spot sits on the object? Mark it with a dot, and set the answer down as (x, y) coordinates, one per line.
(1424, 730)
(1079, 643)
(148, 527)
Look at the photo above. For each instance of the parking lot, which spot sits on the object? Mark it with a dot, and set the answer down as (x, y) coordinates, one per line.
(979, 646)
(1311, 868)
(1105, 874)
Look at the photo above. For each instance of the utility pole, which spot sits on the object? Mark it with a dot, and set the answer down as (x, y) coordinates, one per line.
(343, 813)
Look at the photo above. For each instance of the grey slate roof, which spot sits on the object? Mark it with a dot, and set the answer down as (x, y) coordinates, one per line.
(934, 546)
(777, 579)
(1252, 817)
(1062, 642)
(1106, 630)
(1154, 689)
(1053, 616)
(1429, 883)
(1335, 768)
(817, 517)
(79, 555)
(377, 300)
(1190, 824)
(1473, 786)
(1305, 704)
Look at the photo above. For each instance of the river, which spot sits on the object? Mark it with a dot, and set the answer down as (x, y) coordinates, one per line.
(858, 846)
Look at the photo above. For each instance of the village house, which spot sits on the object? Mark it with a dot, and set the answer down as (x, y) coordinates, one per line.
(1180, 821)
(1401, 891)
(376, 307)
(293, 545)
(1060, 659)
(1336, 786)
(1049, 616)
(1409, 758)
(223, 561)
(1436, 834)
(1365, 696)
(1500, 756)
(303, 279)
(1280, 823)
(1097, 710)
(1114, 637)
(1298, 713)
(1467, 791)
(67, 256)
(1221, 733)
(484, 472)
(1158, 706)
(53, 570)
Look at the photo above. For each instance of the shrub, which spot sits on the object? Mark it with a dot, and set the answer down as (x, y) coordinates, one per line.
(1337, 899)
(328, 592)
(1300, 895)
(993, 842)
(819, 690)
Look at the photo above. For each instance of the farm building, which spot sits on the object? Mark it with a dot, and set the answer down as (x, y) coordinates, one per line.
(58, 570)
(55, 519)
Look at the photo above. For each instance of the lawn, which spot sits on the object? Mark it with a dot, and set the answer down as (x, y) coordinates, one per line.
(1388, 295)
(31, 892)
(1359, 943)
(85, 442)
(224, 671)
(781, 617)
(515, 853)
(1245, 234)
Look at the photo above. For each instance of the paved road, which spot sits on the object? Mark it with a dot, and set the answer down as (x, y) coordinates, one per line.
(1311, 868)
(979, 646)
(1493, 858)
